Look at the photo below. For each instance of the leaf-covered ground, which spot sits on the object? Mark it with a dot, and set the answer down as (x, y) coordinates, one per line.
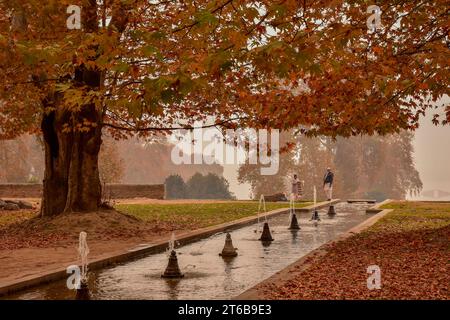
(411, 245)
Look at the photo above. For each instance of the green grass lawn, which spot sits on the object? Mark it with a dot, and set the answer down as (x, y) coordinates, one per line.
(199, 215)
(409, 216)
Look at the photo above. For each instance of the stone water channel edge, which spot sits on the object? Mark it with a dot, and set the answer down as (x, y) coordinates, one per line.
(141, 251)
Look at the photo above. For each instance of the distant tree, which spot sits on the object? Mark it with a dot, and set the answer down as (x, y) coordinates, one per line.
(216, 187)
(377, 195)
(271, 184)
(149, 161)
(175, 187)
(21, 160)
(261, 185)
(376, 166)
(111, 164)
(210, 186)
(394, 172)
(196, 187)
(315, 155)
(13, 161)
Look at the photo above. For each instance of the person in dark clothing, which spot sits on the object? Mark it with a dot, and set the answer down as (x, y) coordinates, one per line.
(328, 183)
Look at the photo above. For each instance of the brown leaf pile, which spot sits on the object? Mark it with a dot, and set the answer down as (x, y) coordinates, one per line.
(414, 265)
(46, 232)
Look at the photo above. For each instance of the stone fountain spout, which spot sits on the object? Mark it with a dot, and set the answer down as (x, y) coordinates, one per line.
(228, 250)
(172, 270)
(266, 236)
(331, 210)
(315, 215)
(293, 225)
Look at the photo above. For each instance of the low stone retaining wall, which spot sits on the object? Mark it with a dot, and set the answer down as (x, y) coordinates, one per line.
(113, 191)
(24, 190)
(377, 208)
(127, 191)
(319, 205)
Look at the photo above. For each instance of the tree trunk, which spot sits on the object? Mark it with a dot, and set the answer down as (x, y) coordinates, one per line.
(71, 180)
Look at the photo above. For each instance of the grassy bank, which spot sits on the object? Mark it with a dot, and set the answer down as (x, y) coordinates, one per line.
(198, 215)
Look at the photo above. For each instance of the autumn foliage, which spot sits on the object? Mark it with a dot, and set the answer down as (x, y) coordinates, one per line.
(146, 67)
(184, 55)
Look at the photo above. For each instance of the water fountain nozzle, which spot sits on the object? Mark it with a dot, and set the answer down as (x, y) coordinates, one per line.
(315, 215)
(266, 235)
(294, 223)
(331, 210)
(172, 270)
(228, 250)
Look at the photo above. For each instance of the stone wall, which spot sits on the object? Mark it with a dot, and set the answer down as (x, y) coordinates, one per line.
(20, 190)
(125, 191)
(113, 191)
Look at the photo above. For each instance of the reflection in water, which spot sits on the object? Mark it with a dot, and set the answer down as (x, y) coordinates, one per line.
(213, 277)
(266, 243)
(294, 234)
(228, 280)
(172, 285)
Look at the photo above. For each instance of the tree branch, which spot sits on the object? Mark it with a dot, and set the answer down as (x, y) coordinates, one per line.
(146, 129)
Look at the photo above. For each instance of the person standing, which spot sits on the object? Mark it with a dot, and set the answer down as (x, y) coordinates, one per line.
(328, 183)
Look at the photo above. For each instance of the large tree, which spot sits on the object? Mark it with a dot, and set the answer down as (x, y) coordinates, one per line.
(142, 65)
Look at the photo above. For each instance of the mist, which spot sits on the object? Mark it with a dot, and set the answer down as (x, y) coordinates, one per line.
(432, 157)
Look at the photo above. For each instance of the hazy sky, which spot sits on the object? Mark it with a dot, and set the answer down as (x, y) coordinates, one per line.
(431, 155)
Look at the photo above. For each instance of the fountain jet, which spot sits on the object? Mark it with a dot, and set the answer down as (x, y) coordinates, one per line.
(261, 205)
(315, 215)
(83, 251)
(228, 250)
